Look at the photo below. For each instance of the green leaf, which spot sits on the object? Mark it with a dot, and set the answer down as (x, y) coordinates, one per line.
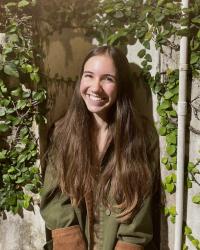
(146, 44)
(4, 127)
(173, 219)
(23, 4)
(189, 183)
(141, 53)
(187, 230)
(170, 187)
(162, 131)
(171, 138)
(196, 199)
(164, 160)
(168, 95)
(20, 180)
(172, 113)
(164, 121)
(168, 179)
(166, 211)
(195, 242)
(190, 166)
(196, 20)
(11, 70)
(175, 99)
(21, 158)
(194, 58)
(3, 154)
(165, 105)
(148, 58)
(16, 92)
(35, 77)
(171, 150)
(21, 104)
(172, 211)
(2, 111)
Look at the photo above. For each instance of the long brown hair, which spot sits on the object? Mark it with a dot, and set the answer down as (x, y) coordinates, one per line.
(127, 177)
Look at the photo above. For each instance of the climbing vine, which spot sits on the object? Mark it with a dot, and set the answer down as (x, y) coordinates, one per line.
(116, 22)
(124, 23)
(20, 95)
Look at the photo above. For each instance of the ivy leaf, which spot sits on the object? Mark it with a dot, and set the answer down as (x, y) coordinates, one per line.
(173, 219)
(194, 58)
(164, 121)
(35, 77)
(175, 99)
(168, 167)
(196, 20)
(23, 4)
(21, 158)
(170, 187)
(11, 70)
(171, 138)
(162, 131)
(173, 113)
(16, 92)
(189, 183)
(165, 105)
(21, 104)
(141, 53)
(2, 111)
(4, 127)
(168, 95)
(166, 211)
(148, 58)
(168, 179)
(172, 211)
(164, 160)
(171, 149)
(195, 242)
(3, 154)
(190, 166)
(146, 44)
(196, 199)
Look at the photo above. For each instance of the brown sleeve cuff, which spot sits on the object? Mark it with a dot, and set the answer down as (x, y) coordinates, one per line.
(69, 238)
(121, 245)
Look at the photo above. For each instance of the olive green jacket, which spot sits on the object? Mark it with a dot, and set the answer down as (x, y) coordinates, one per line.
(70, 224)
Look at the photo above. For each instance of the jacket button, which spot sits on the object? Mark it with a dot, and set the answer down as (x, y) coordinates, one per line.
(108, 212)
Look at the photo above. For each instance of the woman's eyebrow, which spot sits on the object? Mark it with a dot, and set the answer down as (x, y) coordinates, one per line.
(113, 76)
(87, 72)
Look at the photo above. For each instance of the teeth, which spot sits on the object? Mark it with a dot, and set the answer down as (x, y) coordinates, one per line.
(95, 98)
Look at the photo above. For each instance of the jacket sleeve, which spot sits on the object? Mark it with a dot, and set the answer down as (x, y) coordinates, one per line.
(139, 232)
(60, 216)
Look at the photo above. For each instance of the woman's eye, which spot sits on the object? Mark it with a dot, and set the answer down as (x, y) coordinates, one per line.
(108, 78)
(88, 76)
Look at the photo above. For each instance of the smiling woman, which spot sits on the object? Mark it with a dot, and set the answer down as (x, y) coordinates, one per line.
(98, 86)
(101, 166)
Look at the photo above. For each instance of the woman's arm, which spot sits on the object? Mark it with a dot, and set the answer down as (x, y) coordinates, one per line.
(60, 216)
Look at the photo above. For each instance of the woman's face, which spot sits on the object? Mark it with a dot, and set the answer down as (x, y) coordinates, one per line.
(98, 86)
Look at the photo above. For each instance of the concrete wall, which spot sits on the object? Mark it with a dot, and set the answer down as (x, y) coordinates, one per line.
(63, 55)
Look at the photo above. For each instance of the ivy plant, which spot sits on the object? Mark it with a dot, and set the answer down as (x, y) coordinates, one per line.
(20, 95)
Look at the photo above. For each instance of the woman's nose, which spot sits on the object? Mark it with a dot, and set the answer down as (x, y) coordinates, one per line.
(96, 85)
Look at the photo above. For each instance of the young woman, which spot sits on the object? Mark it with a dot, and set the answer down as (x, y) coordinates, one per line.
(99, 177)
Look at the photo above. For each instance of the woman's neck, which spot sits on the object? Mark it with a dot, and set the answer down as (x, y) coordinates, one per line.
(100, 134)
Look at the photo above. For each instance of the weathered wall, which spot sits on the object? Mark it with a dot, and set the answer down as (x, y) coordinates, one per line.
(64, 53)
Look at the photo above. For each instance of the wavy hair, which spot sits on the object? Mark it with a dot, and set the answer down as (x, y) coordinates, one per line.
(127, 177)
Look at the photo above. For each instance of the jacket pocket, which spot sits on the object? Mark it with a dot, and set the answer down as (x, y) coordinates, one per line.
(69, 238)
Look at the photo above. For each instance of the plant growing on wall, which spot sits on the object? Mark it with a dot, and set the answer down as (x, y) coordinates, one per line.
(120, 23)
(20, 95)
